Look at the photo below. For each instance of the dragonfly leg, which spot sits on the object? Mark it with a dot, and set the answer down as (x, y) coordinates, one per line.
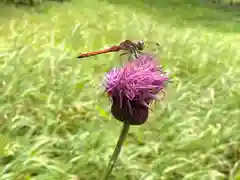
(121, 60)
(123, 54)
(135, 53)
(132, 56)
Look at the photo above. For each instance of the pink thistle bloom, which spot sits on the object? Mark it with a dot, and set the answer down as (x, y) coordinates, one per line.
(133, 87)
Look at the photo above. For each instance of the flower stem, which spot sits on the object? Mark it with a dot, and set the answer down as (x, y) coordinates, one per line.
(117, 150)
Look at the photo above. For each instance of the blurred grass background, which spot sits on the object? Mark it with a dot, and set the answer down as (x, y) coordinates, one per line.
(54, 116)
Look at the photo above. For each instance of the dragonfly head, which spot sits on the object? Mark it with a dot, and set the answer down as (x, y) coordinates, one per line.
(140, 45)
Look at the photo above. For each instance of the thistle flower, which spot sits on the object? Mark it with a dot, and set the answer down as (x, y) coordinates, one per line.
(134, 87)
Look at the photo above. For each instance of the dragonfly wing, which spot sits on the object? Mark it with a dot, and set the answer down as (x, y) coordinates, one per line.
(127, 55)
(153, 48)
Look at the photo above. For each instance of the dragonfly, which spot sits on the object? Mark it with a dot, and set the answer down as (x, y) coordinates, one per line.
(133, 49)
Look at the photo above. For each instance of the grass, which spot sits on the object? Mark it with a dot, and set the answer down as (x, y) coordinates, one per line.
(55, 120)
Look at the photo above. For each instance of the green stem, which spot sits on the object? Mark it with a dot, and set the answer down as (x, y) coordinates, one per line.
(117, 150)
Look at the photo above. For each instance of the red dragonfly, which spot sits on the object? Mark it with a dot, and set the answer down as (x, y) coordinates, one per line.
(130, 47)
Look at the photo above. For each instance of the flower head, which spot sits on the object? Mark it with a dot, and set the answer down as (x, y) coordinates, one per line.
(133, 87)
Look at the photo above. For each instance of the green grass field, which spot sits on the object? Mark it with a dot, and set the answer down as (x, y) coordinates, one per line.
(55, 119)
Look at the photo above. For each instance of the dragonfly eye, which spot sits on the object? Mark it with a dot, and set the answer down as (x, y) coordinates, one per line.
(140, 45)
